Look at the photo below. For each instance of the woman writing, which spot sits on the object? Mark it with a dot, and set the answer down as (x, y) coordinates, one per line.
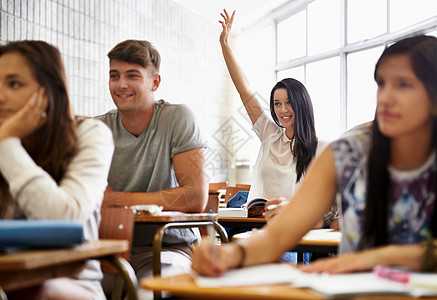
(52, 166)
(384, 172)
(289, 143)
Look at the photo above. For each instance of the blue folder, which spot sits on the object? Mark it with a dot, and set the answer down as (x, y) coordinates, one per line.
(238, 199)
(40, 233)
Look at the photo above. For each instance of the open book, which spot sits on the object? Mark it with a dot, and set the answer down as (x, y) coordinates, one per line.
(253, 209)
(232, 212)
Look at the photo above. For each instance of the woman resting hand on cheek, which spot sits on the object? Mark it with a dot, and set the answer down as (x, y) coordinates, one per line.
(52, 165)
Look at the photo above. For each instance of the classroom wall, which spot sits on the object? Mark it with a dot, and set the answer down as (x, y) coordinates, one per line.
(192, 68)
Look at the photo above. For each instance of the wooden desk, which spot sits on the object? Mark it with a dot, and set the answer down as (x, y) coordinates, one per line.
(315, 241)
(30, 268)
(168, 220)
(242, 222)
(168, 217)
(185, 287)
(180, 220)
(196, 220)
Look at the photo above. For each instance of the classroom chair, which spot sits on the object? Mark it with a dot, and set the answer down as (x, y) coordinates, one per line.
(216, 192)
(213, 203)
(243, 186)
(118, 223)
(217, 186)
(232, 190)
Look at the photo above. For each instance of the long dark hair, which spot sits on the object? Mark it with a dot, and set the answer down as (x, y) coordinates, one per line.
(54, 144)
(305, 138)
(422, 51)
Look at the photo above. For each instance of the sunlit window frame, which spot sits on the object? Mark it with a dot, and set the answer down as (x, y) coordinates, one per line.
(424, 27)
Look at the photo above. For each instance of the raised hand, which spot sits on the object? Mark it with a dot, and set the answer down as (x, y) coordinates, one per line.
(226, 25)
(238, 77)
(28, 119)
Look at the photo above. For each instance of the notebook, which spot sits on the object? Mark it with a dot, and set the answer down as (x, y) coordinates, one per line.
(40, 233)
(330, 286)
(232, 212)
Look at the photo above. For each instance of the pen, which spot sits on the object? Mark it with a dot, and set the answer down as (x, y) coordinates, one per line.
(273, 206)
(211, 235)
(211, 230)
(392, 274)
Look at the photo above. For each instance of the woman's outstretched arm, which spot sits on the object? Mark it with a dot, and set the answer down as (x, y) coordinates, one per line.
(303, 211)
(240, 81)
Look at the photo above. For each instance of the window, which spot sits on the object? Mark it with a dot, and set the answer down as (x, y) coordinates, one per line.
(296, 73)
(324, 89)
(337, 58)
(361, 12)
(404, 13)
(361, 88)
(323, 26)
(292, 37)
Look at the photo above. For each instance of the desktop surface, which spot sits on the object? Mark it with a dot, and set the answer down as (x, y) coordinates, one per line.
(184, 286)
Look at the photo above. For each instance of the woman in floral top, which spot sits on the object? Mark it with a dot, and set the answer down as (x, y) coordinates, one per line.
(384, 172)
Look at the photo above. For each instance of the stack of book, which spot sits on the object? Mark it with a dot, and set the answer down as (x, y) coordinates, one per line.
(254, 209)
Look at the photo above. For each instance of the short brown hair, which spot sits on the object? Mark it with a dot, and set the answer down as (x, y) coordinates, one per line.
(137, 52)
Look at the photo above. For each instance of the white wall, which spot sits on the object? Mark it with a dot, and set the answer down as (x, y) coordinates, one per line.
(85, 30)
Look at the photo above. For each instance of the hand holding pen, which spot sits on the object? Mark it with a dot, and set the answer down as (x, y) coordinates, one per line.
(212, 236)
(273, 207)
(209, 259)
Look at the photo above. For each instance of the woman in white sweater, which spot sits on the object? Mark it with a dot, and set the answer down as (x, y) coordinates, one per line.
(52, 166)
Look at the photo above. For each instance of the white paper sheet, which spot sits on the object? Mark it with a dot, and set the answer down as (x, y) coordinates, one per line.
(331, 286)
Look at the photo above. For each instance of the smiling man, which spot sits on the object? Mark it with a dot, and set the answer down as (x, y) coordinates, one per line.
(158, 156)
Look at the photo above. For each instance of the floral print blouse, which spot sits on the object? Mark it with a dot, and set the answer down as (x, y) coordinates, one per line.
(412, 193)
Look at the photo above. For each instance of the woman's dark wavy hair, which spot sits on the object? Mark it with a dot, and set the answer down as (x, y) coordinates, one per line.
(54, 144)
(305, 138)
(422, 51)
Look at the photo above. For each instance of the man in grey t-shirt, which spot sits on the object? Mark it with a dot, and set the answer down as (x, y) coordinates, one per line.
(158, 156)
